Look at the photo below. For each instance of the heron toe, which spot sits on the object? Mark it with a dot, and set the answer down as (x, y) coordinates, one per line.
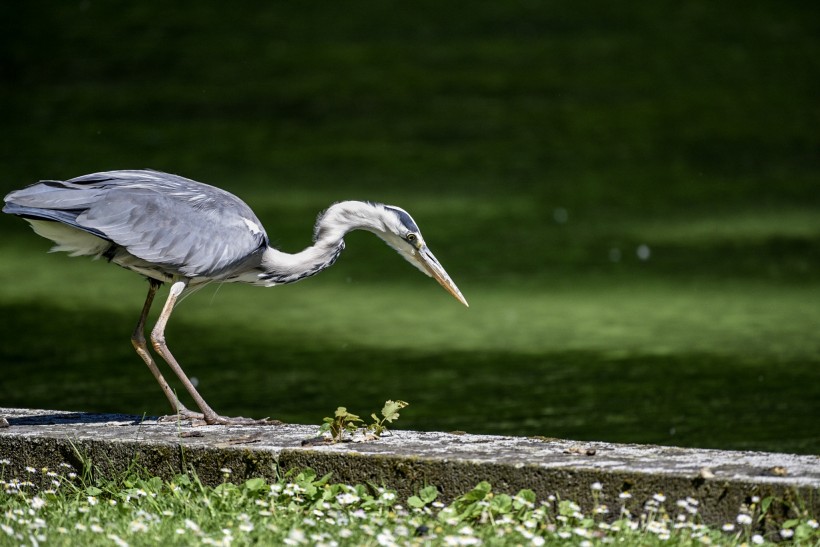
(239, 420)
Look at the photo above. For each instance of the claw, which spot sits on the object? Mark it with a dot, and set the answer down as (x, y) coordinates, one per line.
(239, 420)
(199, 419)
(182, 415)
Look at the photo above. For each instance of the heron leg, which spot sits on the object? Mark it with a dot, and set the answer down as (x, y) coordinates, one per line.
(140, 344)
(158, 341)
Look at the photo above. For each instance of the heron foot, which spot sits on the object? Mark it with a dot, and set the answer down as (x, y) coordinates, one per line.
(198, 419)
(182, 415)
(238, 420)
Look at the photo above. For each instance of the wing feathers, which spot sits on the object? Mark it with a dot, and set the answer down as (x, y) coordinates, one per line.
(189, 228)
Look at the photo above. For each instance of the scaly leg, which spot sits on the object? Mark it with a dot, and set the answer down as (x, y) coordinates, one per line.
(140, 344)
(158, 341)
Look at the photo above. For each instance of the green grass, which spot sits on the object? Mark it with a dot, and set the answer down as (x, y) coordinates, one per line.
(628, 362)
(690, 129)
(67, 507)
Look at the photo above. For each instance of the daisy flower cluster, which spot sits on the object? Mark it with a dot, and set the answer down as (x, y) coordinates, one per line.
(64, 507)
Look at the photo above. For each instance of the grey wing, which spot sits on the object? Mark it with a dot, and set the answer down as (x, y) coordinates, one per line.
(52, 196)
(205, 238)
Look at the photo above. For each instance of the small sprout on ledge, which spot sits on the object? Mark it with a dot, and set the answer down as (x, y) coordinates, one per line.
(390, 413)
(341, 423)
(344, 422)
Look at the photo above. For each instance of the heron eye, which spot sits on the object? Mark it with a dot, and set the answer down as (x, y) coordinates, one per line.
(411, 238)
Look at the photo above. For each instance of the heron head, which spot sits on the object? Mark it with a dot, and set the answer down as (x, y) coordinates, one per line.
(401, 232)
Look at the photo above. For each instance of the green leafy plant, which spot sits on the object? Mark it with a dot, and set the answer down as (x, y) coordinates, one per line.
(426, 496)
(390, 413)
(346, 422)
(342, 422)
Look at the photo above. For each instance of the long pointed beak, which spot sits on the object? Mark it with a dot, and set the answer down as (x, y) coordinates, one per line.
(432, 266)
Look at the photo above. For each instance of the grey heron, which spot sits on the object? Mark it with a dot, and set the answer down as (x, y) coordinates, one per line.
(171, 229)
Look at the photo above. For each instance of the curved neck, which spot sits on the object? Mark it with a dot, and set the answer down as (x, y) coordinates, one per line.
(328, 242)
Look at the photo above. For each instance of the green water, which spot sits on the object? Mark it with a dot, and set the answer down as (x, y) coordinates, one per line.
(541, 148)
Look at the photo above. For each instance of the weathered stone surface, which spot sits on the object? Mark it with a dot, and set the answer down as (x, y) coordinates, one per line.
(408, 460)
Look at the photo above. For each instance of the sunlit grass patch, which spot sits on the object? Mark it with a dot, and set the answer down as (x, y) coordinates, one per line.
(735, 226)
(68, 507)
(709, 363)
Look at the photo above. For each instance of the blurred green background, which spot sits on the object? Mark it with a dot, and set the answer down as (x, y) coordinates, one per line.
(626, 193)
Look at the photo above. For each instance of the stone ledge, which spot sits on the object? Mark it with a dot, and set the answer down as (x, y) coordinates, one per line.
(409, 460)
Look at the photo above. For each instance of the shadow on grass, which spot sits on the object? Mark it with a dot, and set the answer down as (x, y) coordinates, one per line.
(62, 359)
